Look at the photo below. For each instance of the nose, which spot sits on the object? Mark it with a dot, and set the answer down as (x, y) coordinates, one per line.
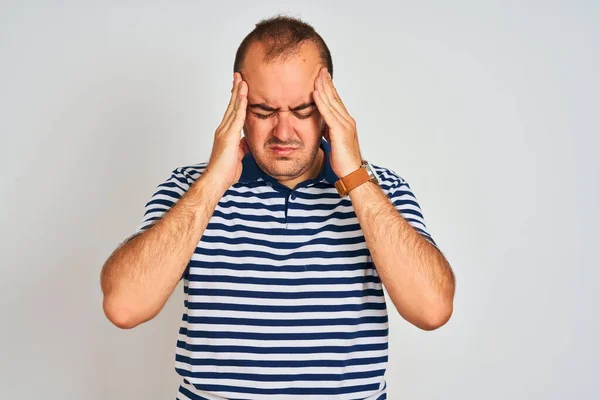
(284, 128)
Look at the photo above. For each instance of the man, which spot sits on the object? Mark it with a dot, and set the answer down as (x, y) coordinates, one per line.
(284, 239)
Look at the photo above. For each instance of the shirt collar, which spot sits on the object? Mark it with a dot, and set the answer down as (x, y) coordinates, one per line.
(251, 172)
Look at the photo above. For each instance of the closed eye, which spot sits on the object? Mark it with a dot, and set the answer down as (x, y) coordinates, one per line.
(299, 116)
(261, 116)
(303, 116)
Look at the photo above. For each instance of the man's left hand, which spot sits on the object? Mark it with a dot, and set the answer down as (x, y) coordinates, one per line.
(340, 129)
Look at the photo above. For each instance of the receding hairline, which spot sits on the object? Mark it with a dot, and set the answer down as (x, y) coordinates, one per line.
(281, 56)
(282, 37)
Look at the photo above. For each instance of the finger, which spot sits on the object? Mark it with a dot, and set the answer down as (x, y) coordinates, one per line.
(232, 100)
(238, 114)
(330, 118)
(232, 112)
(331, 115)
(331, 97)
(244, 149)
(327, 101)
(326, 134)
(336, 97)
(322, 103)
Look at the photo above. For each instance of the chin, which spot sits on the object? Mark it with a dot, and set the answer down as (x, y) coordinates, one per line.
(288, 170)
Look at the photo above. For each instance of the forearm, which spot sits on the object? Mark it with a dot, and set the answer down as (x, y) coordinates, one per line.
(415, 274)
(139, 276)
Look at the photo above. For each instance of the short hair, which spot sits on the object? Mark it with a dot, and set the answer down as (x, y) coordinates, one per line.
(282, 37)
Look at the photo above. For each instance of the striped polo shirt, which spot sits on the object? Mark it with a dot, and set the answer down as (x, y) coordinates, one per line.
(282, 299)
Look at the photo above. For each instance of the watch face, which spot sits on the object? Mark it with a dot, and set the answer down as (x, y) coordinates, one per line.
(372, 173)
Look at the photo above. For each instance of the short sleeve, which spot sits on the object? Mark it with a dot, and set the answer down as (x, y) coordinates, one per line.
(405, 201)
(165, 196)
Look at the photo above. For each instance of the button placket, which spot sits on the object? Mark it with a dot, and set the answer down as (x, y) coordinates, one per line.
(290, 198)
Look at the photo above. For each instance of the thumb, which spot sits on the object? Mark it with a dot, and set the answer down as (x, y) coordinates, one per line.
(326, 133)
(244, 149)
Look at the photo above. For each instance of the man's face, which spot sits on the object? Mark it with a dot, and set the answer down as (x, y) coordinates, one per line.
(286, 86)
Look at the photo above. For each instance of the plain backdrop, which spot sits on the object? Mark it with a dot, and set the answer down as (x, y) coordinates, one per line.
(490, 111)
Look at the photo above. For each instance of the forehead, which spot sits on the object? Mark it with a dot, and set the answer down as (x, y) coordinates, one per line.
(281, 83)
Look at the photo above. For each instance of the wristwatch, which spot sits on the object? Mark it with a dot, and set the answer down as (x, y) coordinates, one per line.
(364, 174)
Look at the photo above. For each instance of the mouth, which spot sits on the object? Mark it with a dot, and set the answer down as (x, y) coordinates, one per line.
(283, 151)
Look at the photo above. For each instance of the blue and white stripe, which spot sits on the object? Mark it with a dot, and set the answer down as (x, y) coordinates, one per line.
(282, 299)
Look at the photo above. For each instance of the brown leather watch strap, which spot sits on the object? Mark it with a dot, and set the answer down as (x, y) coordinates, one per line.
(346, 184)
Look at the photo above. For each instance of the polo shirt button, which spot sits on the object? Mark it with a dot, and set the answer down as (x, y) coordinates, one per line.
(293, 196)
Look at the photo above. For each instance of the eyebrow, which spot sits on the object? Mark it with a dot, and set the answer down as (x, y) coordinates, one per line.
(265, 107)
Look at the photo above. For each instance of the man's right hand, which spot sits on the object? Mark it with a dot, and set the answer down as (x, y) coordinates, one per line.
(225, 164)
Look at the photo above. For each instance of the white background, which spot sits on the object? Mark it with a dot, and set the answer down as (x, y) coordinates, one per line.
(490, 110)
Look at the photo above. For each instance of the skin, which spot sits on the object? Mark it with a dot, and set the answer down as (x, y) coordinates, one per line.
(286, 87)
(418, 278)
(286, 103)
(139, 276)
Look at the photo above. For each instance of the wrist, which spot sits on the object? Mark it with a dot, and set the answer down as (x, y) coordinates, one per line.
(363, 174)
(212, 183)
(350, 169)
